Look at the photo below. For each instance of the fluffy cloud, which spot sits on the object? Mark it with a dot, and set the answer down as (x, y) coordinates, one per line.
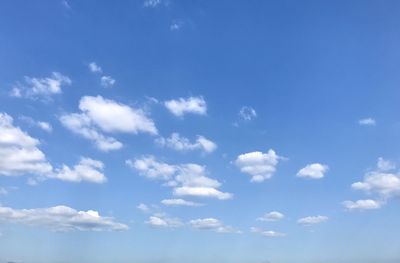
(383, 181)
(60, 218)
(313, 171)
(93, 67)
(213, 225)
(367, 122)
(161, 221)
(107, 81)
(367, 204)
(260, 166)
(102, 115)
(247, 113)
(41, 87)
(86, 170)
(179, 143)
(19, 152)
(186, 179)
(271, 216)
(179, 202)
(312, 220)
(182, 106)
(267, 233)
(40, 124)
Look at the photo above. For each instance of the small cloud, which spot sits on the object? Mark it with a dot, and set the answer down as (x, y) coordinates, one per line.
(107, 81)
(385, 165)
(367, 122)
(93, 67)
(267, 233)
(213, 225)
(179, 202)
(162, 221)
(182, 106)
(360, 205)
(313, 171)
(65, 4)
(179, 143)
(152, 3)
(312, 220)
(40, 124)
(271, 216)
(176, 25)
(247, 113)
(142, 207)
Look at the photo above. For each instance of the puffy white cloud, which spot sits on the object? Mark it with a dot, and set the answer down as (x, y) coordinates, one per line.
(272, 216)
(99, 114)
(19, 152)
(313, 171)
(86, 170)
(179, 143)
(367, 122)
(213, 225)
(186, 179)
(247, 113)
(312, 220)
(179, 202)
(182, 106)
(161, 221)
(383, 181)
(367, 204)
(41, 87)
(107, 81)
(267, 233)
(260, 166)
(60, 218)
(95, 68)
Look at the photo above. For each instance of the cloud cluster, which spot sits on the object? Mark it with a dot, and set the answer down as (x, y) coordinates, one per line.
(99, 115)
(272, 216)
(19, 152)
(267, 233)
(182, 106)
(179, 143)
(43, 88)
(313, 171)
(213, 225)
(60, 218)
(186, 179)
(312, 220)
(105, 81)
(260, 166)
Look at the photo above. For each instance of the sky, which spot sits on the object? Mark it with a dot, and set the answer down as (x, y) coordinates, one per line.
(169, 131)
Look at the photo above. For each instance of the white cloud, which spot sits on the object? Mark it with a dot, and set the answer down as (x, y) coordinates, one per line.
(95, 68)
(41, 87)
(267, 233)
(247, 113)
(383, 181)
(161, 221)
(367, 122)
(179, 143)
(385, 165)
(260, 166)
(86, 170)
(182, 106)
(367, 204)
(107, 81)
(152, 3)
(272, 216)
(99, 114)
(213, 225)
(186, 179)
(19, 152)
(60, 218)
(143, 207)
(313, 171)
(41, 124)
(312, 220)
(179, 202)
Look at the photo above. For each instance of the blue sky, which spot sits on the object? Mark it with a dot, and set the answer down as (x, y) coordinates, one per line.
(199, 131)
